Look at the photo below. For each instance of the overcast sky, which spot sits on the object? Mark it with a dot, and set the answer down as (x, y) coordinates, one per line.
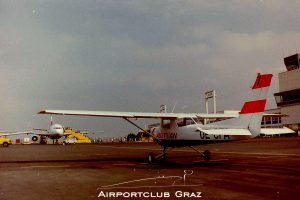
(134, 55)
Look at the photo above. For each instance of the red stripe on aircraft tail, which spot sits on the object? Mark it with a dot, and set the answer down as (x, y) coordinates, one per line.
(254, 106)
(262, 81)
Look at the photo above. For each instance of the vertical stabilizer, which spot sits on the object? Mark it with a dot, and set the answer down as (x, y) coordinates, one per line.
(252, 111)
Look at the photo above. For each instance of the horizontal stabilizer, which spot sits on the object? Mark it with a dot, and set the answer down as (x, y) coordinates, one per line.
(276, 131)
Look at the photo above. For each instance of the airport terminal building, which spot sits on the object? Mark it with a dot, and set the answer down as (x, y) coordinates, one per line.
(288, 97)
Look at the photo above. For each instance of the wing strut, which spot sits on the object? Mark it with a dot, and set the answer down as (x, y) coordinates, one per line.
(151, 134)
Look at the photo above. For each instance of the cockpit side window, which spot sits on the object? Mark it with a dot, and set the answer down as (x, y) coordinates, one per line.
(185, 122)
(166, 123)
(181, 122)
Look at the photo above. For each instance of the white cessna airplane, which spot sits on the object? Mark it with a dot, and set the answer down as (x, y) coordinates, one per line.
(186, 129)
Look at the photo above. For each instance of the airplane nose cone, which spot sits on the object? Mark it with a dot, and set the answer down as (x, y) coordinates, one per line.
(57, 129)
(61, 131)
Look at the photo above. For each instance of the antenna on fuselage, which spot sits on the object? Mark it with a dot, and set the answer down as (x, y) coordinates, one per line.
(174, 106)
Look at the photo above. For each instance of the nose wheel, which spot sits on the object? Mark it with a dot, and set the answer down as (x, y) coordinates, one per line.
(151, 157)
(162, 157)
(206, 155)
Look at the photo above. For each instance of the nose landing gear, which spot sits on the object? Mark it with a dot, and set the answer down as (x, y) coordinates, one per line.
(163, 156)
(206, 155)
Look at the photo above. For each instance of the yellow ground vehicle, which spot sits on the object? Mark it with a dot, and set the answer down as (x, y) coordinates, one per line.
(5, 141)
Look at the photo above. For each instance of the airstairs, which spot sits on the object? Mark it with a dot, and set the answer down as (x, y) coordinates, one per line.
(80, 137)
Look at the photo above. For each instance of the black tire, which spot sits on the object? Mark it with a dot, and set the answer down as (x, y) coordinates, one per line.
(5, 144)
(206, 155)
(151, 157)
(164, 157)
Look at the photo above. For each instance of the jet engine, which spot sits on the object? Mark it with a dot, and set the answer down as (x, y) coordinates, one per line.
(34, 138)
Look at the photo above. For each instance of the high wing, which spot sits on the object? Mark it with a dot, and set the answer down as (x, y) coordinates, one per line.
(113, 114)
(144, 114)
(135, 114)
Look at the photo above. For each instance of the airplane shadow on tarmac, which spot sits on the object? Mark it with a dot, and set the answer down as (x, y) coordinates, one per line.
(139, 162)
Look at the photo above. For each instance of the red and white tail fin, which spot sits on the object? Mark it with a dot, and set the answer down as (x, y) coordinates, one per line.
(253, 111)
(251, 114)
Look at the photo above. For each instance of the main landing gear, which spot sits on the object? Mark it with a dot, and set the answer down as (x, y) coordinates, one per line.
(55, 141)
(206, 155)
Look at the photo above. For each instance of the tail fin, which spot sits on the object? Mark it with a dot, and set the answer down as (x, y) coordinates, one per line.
(251, 114)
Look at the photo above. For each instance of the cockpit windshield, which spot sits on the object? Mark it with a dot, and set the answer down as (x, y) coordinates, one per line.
(57, 128)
